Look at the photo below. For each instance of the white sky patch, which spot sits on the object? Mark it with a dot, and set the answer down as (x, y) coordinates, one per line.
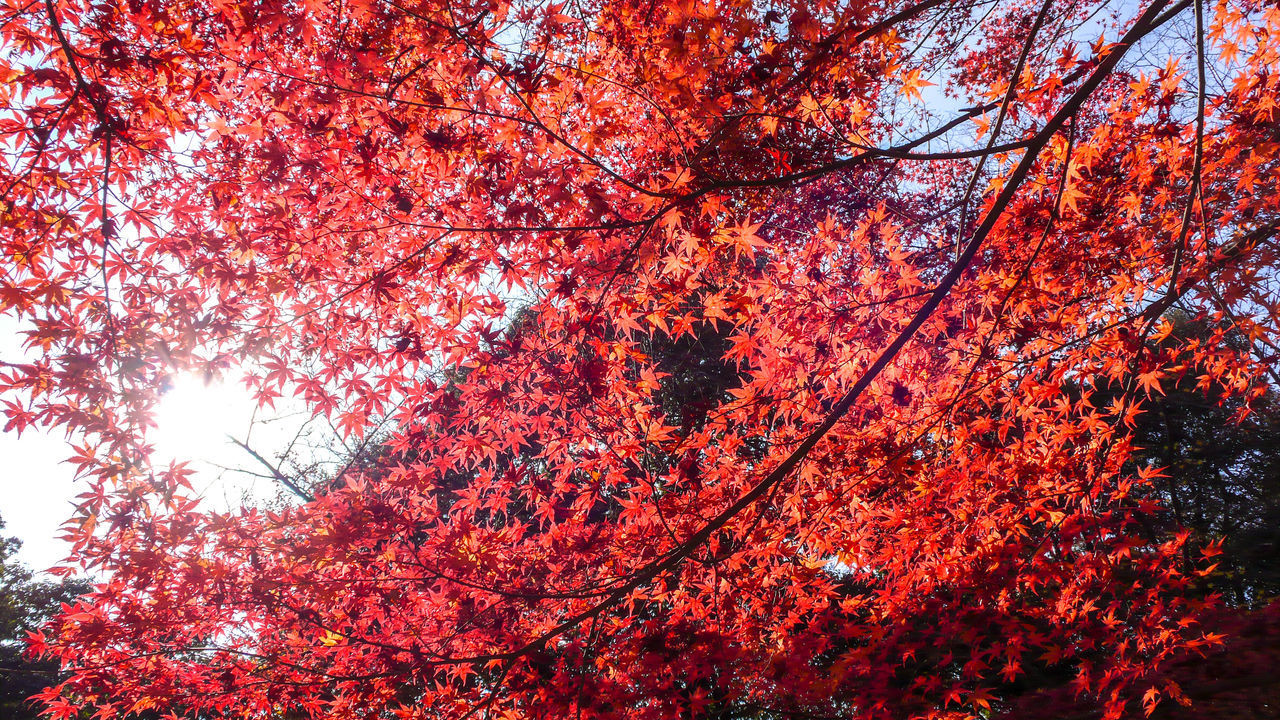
(36, 488)
(36, 492)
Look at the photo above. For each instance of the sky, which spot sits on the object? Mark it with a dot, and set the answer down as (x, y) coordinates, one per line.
(35, 494)
(36, 489)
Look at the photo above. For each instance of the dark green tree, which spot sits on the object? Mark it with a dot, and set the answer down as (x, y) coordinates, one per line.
(26, 603)
(1219, 481)
(1221, 471)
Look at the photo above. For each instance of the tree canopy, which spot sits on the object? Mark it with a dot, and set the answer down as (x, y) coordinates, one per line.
(717, 359)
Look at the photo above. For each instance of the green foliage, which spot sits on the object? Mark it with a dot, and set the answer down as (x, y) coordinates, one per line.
(1221, 472)
(26, 603)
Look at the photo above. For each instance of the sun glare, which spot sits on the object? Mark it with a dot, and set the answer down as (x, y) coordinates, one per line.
(194, 419)
(202, 423)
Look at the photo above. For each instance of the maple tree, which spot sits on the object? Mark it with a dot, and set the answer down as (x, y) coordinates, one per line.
(739, 359)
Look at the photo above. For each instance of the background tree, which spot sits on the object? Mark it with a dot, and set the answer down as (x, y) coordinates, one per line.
(1217, 460)
(1220, 462)
(26, 604)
